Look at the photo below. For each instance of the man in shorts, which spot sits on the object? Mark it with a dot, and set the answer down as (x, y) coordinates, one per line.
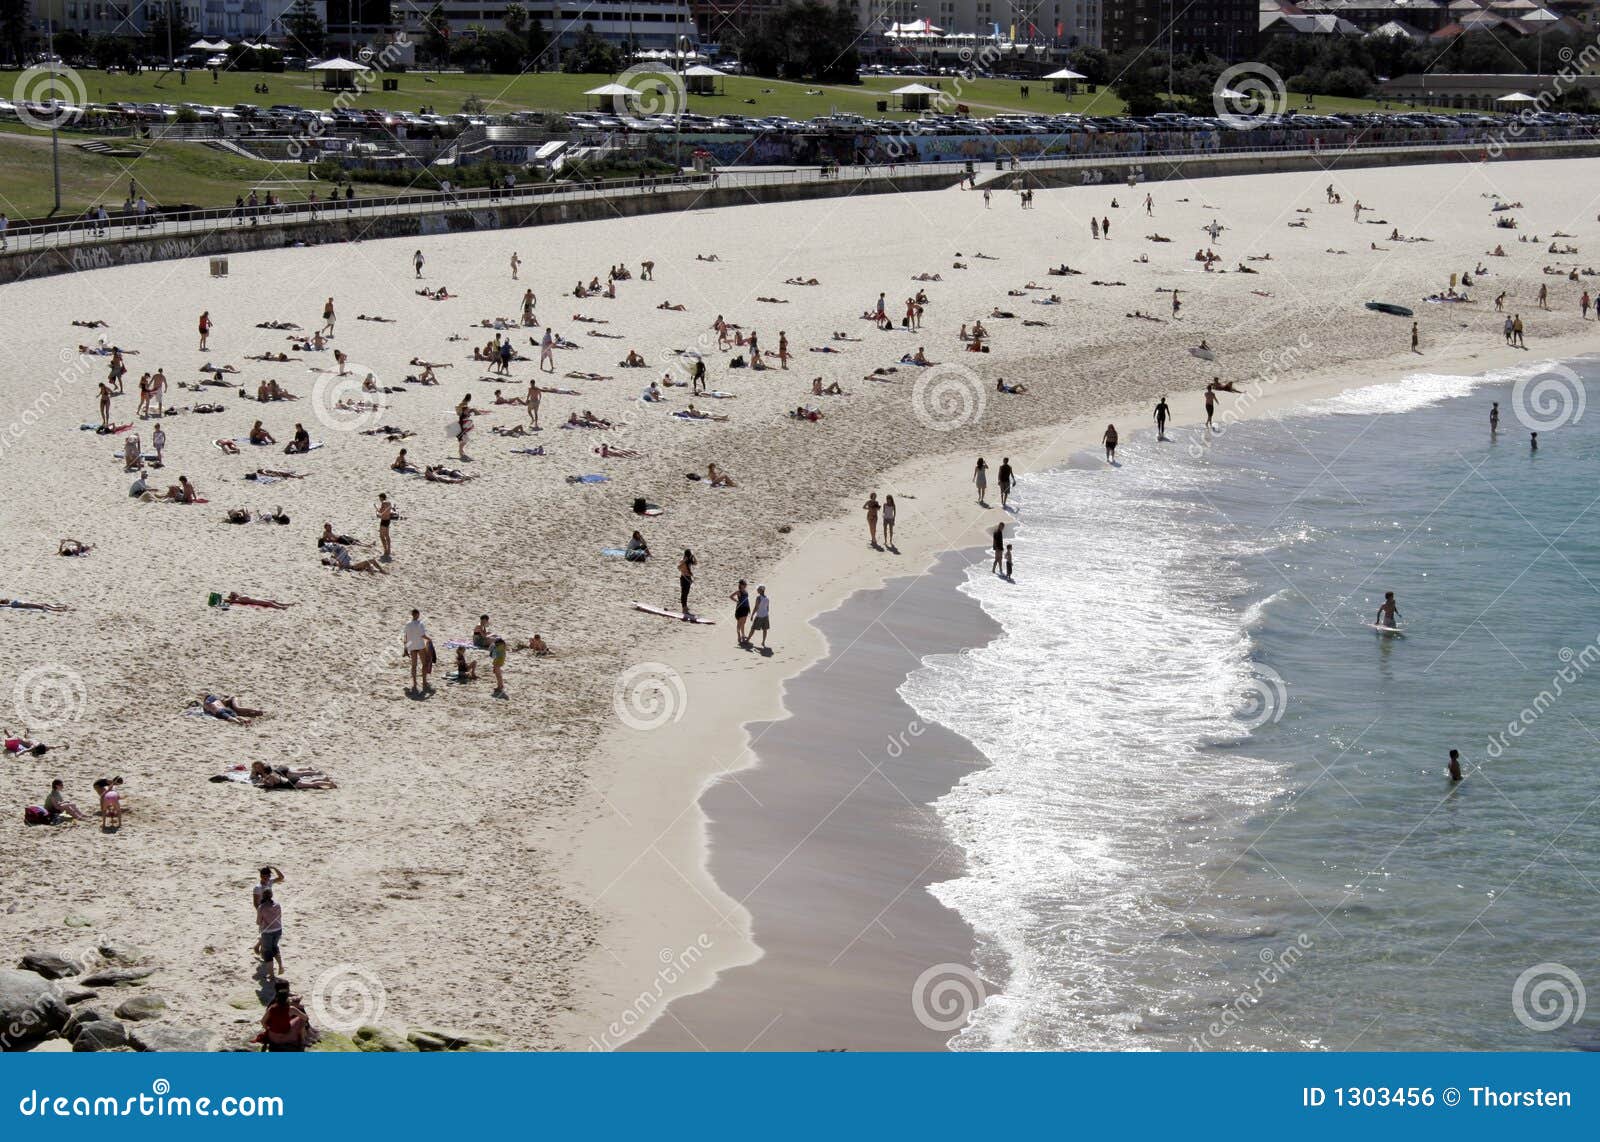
(416, 640)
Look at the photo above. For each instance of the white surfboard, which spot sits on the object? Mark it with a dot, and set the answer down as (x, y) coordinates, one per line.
(666, 614)
(1203, 354)
(1396, 632)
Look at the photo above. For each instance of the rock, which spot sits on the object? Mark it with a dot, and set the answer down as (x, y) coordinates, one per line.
(48, 964)
(30, 1009)
(125, 954)
(142, 1007)
(105, 1035)
(456, 1040)
(50, 1047)
(70, 994)
(423, 1042)
(474, 1047)
(161, 1037)
(333, 1041)
(371, 1038)
(80, 1019)
(76, 921)
(118, 977)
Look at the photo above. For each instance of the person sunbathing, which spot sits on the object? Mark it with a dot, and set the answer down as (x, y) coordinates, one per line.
(1000, 386)
(1143, 316)
(590, 320)
(217, 370)
(73, 547)
(719, 479)
(27, 745)
(998, 312)
(833, 390)
(237, 600)
(182, 492)
(441, 475)
(576, 375)
(279, 358)
(801, 281)
(775, 300)
(228, 709)
(374, 317)
(1016, 293)
(677, 308)
(590, 420)
(707, 258)
(927, 277)
(692, 413)
(276, 325)
(282, 777)
(1218, 385)
(844, 337)
(23, 605)
(338, 557)
(500, 398)
(618, 453)
(1160, 237)
(440, 294)
(634, 360)
(95, 324)
(801, 412)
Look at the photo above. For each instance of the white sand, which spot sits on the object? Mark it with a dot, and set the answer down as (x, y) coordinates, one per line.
(529, 867)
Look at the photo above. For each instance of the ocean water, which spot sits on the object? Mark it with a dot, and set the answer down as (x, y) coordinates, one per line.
(1217, 813)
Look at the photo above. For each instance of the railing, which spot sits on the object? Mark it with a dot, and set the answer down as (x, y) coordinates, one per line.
(199, 222)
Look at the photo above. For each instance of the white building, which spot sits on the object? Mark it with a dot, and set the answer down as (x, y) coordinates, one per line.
(647, 23)
(1069, 23)
(231, 20)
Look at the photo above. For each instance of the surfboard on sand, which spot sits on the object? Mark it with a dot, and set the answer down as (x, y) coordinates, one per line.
(666, 614)
(1396, 632)
(1389, 307)
(1203, 354)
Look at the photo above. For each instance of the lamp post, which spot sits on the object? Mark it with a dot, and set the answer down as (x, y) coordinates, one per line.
(55, 118)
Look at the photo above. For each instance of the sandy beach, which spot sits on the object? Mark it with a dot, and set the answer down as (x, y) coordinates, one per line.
(531, 868)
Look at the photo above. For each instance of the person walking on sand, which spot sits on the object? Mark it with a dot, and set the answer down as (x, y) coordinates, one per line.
(1494, 419)
(1506, 329)
(547, 351)
(1414, 338)
(986, 198)
(685, 581)
(497, 662)
(999, 546)
(1455, 765)
(269, 926)
(1584, 303)
(205, 329)
(416, 262)
(872, 507)
(1007, 477)
(327, 318)
(1109, 439)
(1162, 413)
(516, 264)
(1105, 228)
(1388, 613)
(980, 477)
(1516, 331)
(416, 643)
(1176, 304)
(385, 517)
(266, 878)
(1149, 206)
(760, 621)
(741, 611)
(532, 402)
(1094, 227)
(888, 521)
(105, 405)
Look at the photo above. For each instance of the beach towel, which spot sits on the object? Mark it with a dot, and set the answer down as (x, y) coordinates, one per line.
(237, 774)
(614, 552)
(464, 643)
(590, 479)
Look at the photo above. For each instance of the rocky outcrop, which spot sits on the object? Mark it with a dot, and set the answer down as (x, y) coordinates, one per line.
(30, 1009)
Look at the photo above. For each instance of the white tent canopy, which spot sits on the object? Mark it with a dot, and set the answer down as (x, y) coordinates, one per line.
(611, 90)
(338, 63)
(701, 69)
(1066, 73)
(1517, 97)
(915, 89)
(915, 28)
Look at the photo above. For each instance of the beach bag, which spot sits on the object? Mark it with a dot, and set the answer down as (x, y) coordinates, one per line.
(35, 815)
(214, 599)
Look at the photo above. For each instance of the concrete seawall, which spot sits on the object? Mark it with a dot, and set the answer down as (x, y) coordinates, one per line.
(21, 265)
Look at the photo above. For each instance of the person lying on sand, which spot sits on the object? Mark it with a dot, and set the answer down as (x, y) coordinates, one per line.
(774, 300)
(440, 294)
(329, 536)
(1000, 386)
(338, 557)
(236, 600)
(24, 605)
(1143, 316)
(998, 312)
(500, 398)
(1157, 238)
(833, 390)
(801, 281)
(267, 776)
(844, 337)
(707, 258)
(675, 308)
(274, 474)
(1216, 384)
(31, 746)
(618, 453)
(227, 709)
(276, 358)
(73, 547)
(440, 475)
(575, 375)
(1038, 324)
(801, 412)
(692, 413)
(374, 317)
(94, 324)
(276, 325)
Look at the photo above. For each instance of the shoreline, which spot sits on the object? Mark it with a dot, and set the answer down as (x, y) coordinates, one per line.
(712, 740)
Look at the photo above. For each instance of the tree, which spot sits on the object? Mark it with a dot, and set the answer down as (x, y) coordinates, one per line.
(14, 34)
(436, 34)
(1137, 83)
(516, 19)
(304, 28)
(538, 40)
(591, 53)
(805, 39)
(166, 30)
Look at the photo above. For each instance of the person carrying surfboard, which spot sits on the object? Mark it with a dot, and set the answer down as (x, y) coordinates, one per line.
(1388, 613)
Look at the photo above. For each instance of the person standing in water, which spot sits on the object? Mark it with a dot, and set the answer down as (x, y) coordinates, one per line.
(1455, 765)
(1494, 418)
(980, 477)
(1533, 442)
(1007, 478)
(1211, 408)
(1008, 562)
(1388, 613)
(1110, 441)
(1162, 413)
(999, 547)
